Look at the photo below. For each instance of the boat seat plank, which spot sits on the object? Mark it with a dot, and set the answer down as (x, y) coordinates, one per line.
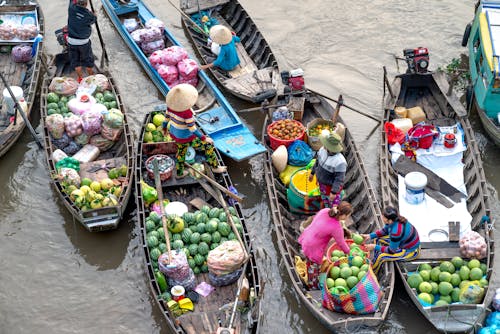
(87, 167)
(438, 253)
(192, 7)
(5, 137)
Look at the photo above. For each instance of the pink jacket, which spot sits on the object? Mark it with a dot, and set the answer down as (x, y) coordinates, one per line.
(315, 238)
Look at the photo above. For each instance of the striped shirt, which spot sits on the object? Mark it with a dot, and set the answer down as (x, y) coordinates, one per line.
(401, 236)
(330, 169)
(182, 126)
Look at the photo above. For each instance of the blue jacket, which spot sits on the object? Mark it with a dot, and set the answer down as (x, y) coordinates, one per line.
(228, 56)
(80, 21)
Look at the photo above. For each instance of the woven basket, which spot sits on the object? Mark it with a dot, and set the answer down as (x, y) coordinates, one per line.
(314, 141)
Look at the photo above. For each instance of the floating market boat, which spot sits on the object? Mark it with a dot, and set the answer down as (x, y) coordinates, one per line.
(213, 112)
(482, 39)
(102, 153)
(204, 215)
(257, 76)
(366, 217)
(23, 76)
(451, 202)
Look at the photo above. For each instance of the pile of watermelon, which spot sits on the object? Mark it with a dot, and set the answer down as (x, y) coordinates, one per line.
(196, 233)
(446, 283)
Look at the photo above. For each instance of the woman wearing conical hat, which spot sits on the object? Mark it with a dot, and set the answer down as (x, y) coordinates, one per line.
(183, 130)
(227, 58)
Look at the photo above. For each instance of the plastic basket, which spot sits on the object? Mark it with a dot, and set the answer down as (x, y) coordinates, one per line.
(276, 142)
(314, 141)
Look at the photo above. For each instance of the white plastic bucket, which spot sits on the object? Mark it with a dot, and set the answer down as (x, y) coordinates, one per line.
(190, 155)
(18, 93)
(177, 292)
(415, 187)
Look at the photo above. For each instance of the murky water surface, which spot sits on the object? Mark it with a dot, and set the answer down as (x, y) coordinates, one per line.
(57, 278)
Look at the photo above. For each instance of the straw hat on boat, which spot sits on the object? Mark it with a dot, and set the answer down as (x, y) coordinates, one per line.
(280, 158)
(340, 130)
(220, 34)
(332, 142)
(181, 97)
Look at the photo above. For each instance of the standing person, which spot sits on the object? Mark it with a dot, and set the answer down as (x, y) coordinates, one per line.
(398, 240)
(227, 58)
(183, 129)
(330, 168)
(315, 238)
(80, 21)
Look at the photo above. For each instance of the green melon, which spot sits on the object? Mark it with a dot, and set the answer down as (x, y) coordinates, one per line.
(199, 259)
(188, 217)
(223, 217)
(441, 302)
(216, 237)
(162, 247)
(335, 272)
(195, 238)
(426, 275)
(155, 254)
(211, 225)
(426, 298)
(191, 263)
(435, 288)
(152, 241)
(232, 211)
(161, 234)
(231, 236)
(223, 240)
(150, 225)
(153, 233)
(414, 280)
(435, 274)
(177, 244)
(351, 281)
(186, 235)
(447, 266)
(458, 262)
(239, 227)
(213, 213)
(236, 219)
(213, 245)
(206, 237)
(464, 273)
(200, 228)
(475, 274)
(196, 270)
(176, 236)
(205, 209)
(444, 276)
(203, 248)
(186, 251)
(447, 298)
(425, 287)
(224, 229)
(204, 268)
(445, 288)
(193, 249)
(52, 98)
(455, 295)
(154, 216)
(455, 279)
(201, 218)
(483, 268)
(424, 266)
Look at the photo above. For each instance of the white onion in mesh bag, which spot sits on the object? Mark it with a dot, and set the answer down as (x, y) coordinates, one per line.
(21, 53)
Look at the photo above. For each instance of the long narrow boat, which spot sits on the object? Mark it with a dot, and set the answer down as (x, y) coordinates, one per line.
(257, 77)
(202, 200)
(213, 112)
(98, 208)
(24, 75)
(481, 38)
(366, 218)
(457, 172)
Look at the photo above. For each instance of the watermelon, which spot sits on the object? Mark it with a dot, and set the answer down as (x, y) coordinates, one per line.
(162, 247)
(186, 235)
(224, 229)
(53, 105)
(191, 263)
(236, 219)
(186, 251)
(199, 259)
(152, 241)
(201, 218)
(211, 225)
(154, 264)
(177, 244)
(206, 237)
(161, 234)
(195, 238)
(204, 268)
(52, 97)
(176, 236)
(232, 211)
(239, 227)
(216, 237)
(150, 225)
(213, 213)
(153, 233)
(223, 217)
(154, 216)
(200, 228)
(196, 270)
(155, 254)
(214, 245)
(203, 248)
(231, 236)
(205, 209)
(223, 240)
(188, 217)
(193, 249)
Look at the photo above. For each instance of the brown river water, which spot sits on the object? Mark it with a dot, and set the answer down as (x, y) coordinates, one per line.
(55, 277)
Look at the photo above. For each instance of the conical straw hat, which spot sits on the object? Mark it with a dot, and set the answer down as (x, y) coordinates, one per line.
(182, 97)
(280, 158)
(220, 34)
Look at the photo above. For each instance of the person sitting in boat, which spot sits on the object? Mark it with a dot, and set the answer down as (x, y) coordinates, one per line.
(314, 240)
(227, 59)
(330, 168)
(80, 21)
(398, 240)
(183, 130)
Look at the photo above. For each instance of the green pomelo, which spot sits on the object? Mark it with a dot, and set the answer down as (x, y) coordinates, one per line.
(455, 295)
(364, 267)
(457, 262)
(476, 274)
(338, 253)
(345, 272)
(414, 281)
(357, 239)
(330, 282)
(425, 274)
(474, 264)
(445, 288)
(424, 266)
(441, 302)
(357, 261)
(447, 266)
(335, 258)
(335, 272)
(483, 282)
(435, 274)
(361, 274)
(344, 265)
(447, 299)
(351, 281)
(425, 287)
(455, 279)
(435, 288)
(426, 298)
(484, 268)
(444, 276)
(464, 273)
(341, 282)
(355, 271)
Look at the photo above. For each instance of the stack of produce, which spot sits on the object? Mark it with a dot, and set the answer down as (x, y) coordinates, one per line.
(174, 66)
(346, 272)
(150, 39)
(455, 281)
(154, 131)
(224, 263)
(10, 30)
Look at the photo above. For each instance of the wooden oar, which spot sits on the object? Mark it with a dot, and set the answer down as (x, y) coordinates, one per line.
(21, 111)
(340, 103)
(103, 48)
(214, 183)
(159, 190)
(261, 107)
(189, 18)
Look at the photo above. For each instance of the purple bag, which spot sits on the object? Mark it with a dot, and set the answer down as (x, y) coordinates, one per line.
(21, 53)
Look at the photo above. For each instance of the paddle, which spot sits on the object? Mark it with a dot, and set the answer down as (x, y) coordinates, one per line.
(21, 111)
(262, 107)
(214, 183)
(189, 19)
(104, 53)
(159, 190)
(340, 103)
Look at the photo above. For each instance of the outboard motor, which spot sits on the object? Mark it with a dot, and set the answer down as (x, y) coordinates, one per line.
(62, 36)
(293, 79)
(417, 60)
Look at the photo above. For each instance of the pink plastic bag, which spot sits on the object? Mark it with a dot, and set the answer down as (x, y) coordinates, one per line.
(168, 73)
(155, 58)
(192, 82)
(137, 35)
(173, 54)
(91, 122)
(188, 68)
(153, 46)
(155, 23)
(151, 35)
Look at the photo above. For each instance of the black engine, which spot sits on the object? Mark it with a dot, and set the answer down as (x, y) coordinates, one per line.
(417, 60)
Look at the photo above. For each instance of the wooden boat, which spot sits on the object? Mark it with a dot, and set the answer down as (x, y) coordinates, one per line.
(196, 194)
(213, 112)
(24, 75)
(366, 218)
(96, 217)
(257, 77)
(439, 240)
(481, 38)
